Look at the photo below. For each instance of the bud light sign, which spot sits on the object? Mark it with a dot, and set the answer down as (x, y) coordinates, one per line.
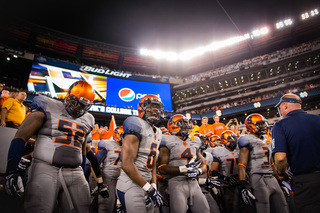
(127, 93)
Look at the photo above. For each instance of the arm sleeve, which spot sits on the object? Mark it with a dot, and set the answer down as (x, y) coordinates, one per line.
(132, 126)
(94, 163)
(279, 139)
(39, 104)
(244, 141)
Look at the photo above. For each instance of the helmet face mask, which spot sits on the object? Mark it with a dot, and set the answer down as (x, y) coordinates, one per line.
(229, 139)
(213, 139)
(257, 124)
(150, 108)
(79, 98)
(179, 125)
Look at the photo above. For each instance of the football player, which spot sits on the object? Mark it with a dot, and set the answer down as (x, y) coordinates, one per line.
(111, 166)
(225, 167)
(55, 175)
(254, 159)
(213, 142)
(139, 155)
(204, 178)
(177, 161)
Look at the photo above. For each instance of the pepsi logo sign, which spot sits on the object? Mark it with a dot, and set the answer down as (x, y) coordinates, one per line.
(126, 94)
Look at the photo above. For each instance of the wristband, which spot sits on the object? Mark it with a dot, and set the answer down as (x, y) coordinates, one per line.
(241, 164)
(202, 181)
(99, 180)
(154, 185)
(183, 169)
(146, 187)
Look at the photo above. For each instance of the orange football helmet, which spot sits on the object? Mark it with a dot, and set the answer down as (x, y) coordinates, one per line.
(118, 134)
(148, 101)
(228, 138)
(256, 123)
(179, 124)
(212, 140)
(79, 98)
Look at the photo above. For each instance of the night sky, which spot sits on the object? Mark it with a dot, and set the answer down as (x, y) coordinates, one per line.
(165, 24)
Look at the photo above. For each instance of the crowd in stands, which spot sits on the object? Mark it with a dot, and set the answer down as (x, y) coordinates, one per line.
(256, 61)
(248, 100)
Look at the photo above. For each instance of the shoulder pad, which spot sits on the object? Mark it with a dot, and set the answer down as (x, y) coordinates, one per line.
(132, 125)
(244, 141)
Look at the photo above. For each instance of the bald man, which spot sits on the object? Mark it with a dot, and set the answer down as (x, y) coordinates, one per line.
(296, 142)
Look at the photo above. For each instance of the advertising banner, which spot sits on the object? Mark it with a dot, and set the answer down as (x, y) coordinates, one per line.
(127, 93)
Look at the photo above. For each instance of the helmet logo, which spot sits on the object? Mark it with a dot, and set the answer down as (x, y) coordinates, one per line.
(127, 94)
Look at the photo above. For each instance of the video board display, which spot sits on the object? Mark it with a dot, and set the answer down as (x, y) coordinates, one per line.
(127, 93)
(56, 80)
(118, 92)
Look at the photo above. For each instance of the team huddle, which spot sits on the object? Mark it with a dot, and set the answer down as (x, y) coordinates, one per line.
(141, 169)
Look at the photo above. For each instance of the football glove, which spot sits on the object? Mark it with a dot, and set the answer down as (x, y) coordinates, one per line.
(148, 201)
(23, 165)
(193, 172)
(14, 185)
(231, 181)
(286, 189)
(213, 182)
(247, 197)
(119, 209)
(101, 189)
(157, 199)
(194, 164)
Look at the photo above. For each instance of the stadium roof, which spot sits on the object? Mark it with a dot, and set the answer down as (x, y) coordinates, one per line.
(167, 24)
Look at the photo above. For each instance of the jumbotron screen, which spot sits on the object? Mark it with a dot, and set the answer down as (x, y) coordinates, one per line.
(55, 81)
(127, 93)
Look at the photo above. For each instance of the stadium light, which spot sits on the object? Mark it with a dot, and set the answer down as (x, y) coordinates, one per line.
(215, 46)
(158, 54)
(259, 32)
(288, 22)
(314, 12)
(307, 15)
(284, 23)
(279, 25)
